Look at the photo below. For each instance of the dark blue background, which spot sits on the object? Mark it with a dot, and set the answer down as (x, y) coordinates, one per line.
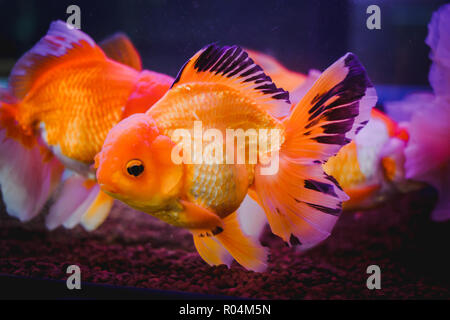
(302, 34)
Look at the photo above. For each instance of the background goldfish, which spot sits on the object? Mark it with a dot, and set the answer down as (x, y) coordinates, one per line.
(63, 97)
(389, 157)
(224, 88)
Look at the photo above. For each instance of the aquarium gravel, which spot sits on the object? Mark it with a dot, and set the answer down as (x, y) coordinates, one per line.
(135, 250)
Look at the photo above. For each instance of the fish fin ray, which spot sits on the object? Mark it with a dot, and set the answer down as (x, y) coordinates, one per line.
(330, 114)
(246, 250)
(212, 251)
(300, 199)
(233, 67)
(62, 42)
(196, 217)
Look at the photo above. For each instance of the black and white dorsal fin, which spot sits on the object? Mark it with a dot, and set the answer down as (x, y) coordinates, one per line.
(233, 67)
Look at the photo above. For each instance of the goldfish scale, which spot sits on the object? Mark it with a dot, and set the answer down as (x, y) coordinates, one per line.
(78, 104)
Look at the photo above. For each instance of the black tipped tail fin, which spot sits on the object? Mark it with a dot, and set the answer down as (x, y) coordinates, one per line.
(301, 199)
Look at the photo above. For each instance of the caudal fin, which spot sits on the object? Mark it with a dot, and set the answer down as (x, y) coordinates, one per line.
(231, 243)
(301, 200)
(28, 171)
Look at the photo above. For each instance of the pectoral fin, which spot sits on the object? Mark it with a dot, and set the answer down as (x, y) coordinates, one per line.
(199, 219)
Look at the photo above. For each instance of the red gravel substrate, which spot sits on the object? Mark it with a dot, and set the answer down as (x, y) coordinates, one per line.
(133, 249)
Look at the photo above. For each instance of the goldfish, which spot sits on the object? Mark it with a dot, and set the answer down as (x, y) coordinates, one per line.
(63, 96)
(371, 169)
(223, 89)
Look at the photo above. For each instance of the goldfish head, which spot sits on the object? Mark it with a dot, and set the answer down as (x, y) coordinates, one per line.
(135, 164)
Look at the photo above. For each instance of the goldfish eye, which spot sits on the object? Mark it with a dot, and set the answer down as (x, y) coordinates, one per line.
(135, 167)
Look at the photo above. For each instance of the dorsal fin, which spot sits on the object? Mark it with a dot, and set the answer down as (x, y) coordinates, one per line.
(62, 42)
(233, 67)
(120, 48)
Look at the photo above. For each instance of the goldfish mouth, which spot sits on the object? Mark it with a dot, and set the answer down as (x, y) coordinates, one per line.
(107, 189)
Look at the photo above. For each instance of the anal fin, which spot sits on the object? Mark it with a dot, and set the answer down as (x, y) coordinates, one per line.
(247, 251)
(216, 240)
(212, 251)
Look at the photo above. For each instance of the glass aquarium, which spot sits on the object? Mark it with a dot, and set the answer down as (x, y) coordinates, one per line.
(117, 176)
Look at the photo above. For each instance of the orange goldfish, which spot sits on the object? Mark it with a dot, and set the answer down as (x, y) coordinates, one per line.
(370, 169)
(64, 95)
(223, 89)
